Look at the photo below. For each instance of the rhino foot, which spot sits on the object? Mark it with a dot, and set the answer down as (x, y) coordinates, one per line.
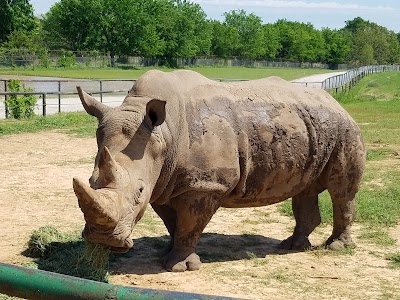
(339, 243)
(179, 262)
(295, 243)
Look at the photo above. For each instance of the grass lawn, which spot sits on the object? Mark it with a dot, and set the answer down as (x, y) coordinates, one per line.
(211, 72)
(380, 86)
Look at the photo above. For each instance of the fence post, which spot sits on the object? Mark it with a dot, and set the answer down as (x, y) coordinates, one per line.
(59, 96)
(5, 100)
(101, 90)
(44, 103)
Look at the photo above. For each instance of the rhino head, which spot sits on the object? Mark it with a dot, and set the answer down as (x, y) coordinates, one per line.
(127, 166)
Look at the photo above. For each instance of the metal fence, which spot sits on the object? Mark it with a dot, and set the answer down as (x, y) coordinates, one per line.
(61, 95)
(347, 80)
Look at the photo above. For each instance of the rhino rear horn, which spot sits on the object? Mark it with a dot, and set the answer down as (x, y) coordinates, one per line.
(91, 105)
(98, 207)
(109, 169)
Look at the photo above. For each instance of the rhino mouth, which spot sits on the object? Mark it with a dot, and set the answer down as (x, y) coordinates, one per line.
(107, 237)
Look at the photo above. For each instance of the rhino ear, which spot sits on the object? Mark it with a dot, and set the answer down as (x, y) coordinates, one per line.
(91, 105)
(155, 111)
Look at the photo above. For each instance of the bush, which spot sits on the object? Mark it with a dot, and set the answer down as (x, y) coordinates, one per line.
(44, 59)
(20, 107)
(67, 59)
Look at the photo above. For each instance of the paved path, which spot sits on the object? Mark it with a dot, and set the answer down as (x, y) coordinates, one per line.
(315, 81)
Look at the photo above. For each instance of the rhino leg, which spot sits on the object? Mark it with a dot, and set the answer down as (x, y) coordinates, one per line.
(168, 215)
(343, 184)
(193, 212)
(343, 216)
(307, 215)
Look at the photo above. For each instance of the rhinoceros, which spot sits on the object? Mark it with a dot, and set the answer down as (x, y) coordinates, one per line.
(189, 145)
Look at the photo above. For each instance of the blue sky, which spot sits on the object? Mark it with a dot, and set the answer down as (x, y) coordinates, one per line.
(326, 13)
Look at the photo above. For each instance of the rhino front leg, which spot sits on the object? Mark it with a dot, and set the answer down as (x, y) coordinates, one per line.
(307, 215)
(168, 215)
(193, 212)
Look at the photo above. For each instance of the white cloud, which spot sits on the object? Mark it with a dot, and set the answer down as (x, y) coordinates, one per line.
(291, 4)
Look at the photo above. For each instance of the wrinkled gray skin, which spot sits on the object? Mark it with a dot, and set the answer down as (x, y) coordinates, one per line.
(188, 145)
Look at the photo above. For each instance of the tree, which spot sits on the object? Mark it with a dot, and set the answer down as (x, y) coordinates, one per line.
(159, 28)
(16, 15)
(299, 41)
(337, 46)
(356, 24)
(105, 25)
(23, 18)
(368, 39)
(251, 34)
(225, 40)
(271, 41)
(5, 20)
(187, 32)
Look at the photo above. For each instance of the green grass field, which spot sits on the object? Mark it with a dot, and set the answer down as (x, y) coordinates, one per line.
(211, 72)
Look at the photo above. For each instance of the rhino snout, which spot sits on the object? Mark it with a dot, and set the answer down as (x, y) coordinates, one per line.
(120, 242)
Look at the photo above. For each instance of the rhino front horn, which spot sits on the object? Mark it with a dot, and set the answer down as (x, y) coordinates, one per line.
(99, 207)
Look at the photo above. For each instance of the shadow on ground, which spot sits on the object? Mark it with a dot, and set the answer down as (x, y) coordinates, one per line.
(147, 254)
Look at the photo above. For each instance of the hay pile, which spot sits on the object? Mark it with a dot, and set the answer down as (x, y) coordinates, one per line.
(68, 253)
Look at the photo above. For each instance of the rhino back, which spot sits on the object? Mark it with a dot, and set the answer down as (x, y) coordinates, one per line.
(260, 142)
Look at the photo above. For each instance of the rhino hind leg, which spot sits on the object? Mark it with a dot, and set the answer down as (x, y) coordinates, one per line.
(343, 184)
(193, 212)
(343, 216)
(307, 215)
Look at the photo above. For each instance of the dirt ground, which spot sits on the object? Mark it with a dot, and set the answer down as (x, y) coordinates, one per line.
(238, 249)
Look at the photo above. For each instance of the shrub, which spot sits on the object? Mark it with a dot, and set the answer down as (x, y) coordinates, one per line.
(20, 107)
(67, 59)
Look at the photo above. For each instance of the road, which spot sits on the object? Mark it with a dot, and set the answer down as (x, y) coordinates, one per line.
(315, 81)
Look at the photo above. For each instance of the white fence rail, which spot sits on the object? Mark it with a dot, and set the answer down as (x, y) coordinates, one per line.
(339, 81)
(348, 79)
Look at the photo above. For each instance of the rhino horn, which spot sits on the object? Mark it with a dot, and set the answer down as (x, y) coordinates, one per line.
(99, 208)
(106, 159)
(91, 105)
(109, 168)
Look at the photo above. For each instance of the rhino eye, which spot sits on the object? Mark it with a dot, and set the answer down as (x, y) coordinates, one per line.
(126, 131)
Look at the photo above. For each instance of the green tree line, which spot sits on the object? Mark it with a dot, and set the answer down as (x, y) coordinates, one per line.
(170, 29)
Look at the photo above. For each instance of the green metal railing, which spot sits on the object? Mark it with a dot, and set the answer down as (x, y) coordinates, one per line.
(37, 284)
